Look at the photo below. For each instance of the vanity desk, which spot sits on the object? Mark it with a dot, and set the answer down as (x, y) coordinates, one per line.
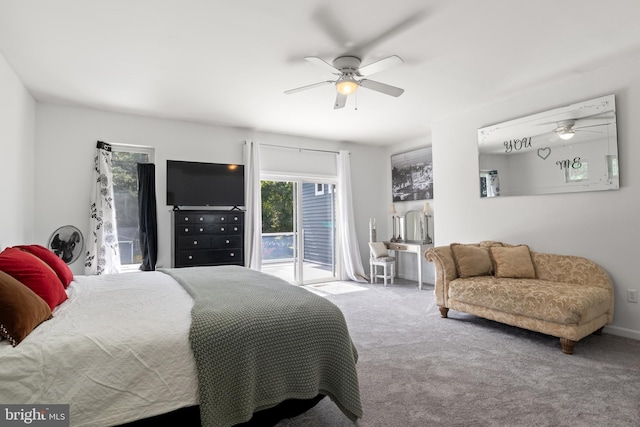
(413, 247)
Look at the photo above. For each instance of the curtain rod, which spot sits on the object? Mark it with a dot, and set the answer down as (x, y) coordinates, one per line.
(299, 149)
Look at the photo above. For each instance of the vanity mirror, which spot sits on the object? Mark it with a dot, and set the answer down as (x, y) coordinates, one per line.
(416, 227)
(567, 149)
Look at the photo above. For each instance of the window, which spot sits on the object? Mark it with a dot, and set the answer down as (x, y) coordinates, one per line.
(577, 172)
(612, 167)
(125, 159)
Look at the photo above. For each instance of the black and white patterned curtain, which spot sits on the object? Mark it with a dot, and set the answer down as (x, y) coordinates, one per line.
(103, 255)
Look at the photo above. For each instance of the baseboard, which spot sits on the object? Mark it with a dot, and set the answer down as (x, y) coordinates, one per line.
(622, 332)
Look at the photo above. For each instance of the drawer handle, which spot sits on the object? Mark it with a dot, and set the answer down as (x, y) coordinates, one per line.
(190, 257)
(201, 229)
(235, 218)
(232, 254)
(186, 218)
(186, 230)
(221, 218)
(235, 228)
(195, 242)
(201, 219)
(227, 242)
(221, 228)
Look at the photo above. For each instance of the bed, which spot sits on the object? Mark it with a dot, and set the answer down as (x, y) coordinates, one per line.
(231, 340)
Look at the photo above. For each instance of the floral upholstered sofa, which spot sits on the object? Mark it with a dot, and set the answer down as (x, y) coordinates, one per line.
(565, 296)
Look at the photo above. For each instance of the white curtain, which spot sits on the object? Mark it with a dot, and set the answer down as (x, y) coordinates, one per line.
(103, 255)
(253, 215)
(352, 268)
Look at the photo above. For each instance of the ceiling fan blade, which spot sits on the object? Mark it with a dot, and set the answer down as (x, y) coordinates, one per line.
(322, 63)
(341, 100)
(366, 46)
(606, 115)
(381, 65)
(381, 87)
(328, 22)
(591, 126)
(311, 86)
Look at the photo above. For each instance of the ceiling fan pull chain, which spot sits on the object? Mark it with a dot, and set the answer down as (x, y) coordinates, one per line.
(356, 101)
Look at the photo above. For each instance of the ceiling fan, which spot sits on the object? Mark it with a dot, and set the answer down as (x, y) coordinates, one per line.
(350, 76)
(566, 129)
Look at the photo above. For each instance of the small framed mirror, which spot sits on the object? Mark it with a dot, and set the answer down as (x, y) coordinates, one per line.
(416, 227)
(564, 150)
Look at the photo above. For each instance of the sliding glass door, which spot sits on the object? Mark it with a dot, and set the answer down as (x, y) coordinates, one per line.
(299, 230)
(317, 217)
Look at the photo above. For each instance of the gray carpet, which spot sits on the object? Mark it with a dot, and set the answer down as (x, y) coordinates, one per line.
(417, 369)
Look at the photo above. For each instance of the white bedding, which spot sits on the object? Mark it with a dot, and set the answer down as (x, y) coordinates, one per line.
(117, 350)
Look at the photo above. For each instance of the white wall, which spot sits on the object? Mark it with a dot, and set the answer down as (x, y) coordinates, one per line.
(17, 124)
(65, 146)
(602, 225)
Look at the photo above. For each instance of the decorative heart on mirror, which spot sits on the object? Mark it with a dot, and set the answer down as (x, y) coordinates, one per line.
(543, 153)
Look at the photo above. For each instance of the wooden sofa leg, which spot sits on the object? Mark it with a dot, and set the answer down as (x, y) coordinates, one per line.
(443, 311)
(567, 345)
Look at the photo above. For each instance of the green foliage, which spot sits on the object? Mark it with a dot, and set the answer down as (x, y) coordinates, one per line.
(125, 186)
(277, 206)
(125, 170)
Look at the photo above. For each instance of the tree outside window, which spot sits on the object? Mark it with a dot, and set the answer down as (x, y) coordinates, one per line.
(125, 188)
(277, 220)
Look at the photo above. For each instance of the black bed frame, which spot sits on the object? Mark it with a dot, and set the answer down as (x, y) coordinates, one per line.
(190, 417)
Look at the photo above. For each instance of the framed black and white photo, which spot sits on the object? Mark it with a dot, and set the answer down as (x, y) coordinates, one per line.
(412, 175)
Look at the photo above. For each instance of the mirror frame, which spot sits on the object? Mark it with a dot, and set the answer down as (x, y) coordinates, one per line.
(527, 156)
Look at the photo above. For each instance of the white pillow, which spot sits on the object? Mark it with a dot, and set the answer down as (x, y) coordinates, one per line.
(378, 249)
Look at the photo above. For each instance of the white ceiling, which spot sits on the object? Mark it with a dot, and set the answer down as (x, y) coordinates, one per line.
(229, 62)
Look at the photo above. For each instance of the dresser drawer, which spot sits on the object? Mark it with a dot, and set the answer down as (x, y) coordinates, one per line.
(231, 241)
(184, 218)
(225, 229)
(199, 229)
(194, 242)
(234, 219)
(188, 258)
(192, 229)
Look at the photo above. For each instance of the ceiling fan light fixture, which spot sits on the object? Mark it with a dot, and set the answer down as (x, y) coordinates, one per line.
(566, 134)
(347, 86)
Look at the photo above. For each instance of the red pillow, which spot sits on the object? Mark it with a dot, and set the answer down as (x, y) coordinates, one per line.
(35, 274)
(54, 261)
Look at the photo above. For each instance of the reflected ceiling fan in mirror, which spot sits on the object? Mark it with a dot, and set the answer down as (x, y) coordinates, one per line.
(350, 76)
(566, 129)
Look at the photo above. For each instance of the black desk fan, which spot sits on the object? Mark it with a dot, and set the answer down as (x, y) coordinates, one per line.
(67, 242)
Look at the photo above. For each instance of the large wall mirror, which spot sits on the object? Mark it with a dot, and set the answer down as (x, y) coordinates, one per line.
(567, 149)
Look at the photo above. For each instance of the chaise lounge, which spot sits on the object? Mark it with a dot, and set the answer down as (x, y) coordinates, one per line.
(565, 296)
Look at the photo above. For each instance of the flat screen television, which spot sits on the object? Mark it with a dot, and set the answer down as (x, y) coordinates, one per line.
(204, 184)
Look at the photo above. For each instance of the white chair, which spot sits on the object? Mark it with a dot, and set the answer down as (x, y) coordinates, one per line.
(379, 257)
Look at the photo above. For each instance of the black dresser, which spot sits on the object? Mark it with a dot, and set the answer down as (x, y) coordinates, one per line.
(207, 237)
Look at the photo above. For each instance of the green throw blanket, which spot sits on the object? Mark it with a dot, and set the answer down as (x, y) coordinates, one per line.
(258, 341)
